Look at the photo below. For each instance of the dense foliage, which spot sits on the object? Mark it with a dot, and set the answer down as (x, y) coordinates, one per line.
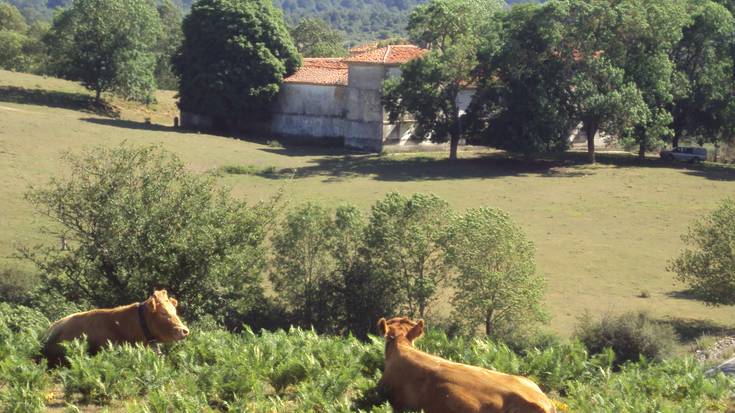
(21, 46)
(131, 219)
(297, 370)
(107, 46)
(234, 56)
(428, 89)
(707, 264)
(496, 286)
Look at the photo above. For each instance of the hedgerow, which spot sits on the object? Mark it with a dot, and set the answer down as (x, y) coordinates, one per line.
(301, 371)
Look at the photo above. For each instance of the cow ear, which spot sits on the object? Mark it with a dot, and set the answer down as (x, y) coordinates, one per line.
(416, 331)
(151, 302)
(173, 302)
(382, 327)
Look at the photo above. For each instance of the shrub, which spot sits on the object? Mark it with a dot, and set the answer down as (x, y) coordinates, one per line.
(16, 284)
(707, 264)
(134, 219)
(631, 336)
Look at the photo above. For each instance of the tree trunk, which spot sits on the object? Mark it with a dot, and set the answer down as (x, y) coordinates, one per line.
(453, 146)
(642, 151)
(675, 140)
(98, 95)
(489, 323)
(456, 132)
(591, 130)
(717, 151)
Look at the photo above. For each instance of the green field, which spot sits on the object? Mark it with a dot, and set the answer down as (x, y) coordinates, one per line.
(603, 233)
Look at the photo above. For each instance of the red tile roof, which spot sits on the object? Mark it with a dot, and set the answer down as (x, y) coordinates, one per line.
(388, 55)
(333, 70)
(321, 71)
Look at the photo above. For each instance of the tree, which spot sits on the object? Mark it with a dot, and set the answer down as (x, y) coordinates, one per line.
(440, 23)
(11, 19)
(702, 108)
(523, 102)
(403, 243)
(132, 219)
(11, 50)
(604, 102)
(428, 88)
(234, 57)
(304, 266)
(644, 43)
(169, 42)
(314, 38)
(496, 284)
(367, 292)
(707, 264)
(108, 45)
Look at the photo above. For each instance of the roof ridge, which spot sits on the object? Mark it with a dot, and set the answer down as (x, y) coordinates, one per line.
(387, 53)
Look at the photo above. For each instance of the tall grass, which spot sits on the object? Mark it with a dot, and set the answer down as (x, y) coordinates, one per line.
(301, 371)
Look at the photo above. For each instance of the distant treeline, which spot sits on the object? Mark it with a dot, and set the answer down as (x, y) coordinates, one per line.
(360, 20)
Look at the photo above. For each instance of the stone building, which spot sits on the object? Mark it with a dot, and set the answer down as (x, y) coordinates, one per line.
(340, 98)
(334, 100)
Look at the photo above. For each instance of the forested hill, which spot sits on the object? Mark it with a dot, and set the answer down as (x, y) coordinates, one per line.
(360, 20)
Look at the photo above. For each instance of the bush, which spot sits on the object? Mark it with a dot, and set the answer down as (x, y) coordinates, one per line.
(134, 219)
(16, 284)
(631, 336)
(707, 264)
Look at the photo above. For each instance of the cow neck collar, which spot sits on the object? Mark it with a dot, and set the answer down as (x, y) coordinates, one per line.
(144, 324)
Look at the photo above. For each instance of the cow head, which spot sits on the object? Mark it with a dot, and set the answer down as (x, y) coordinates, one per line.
(400, 328)
(163, 322)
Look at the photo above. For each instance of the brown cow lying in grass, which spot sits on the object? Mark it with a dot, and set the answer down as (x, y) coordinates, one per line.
(152, 320)
(415, 380)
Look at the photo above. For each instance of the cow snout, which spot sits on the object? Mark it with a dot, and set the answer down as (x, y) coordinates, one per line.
(183, 332)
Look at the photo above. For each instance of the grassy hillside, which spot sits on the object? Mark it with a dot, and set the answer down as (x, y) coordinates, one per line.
(603, 233)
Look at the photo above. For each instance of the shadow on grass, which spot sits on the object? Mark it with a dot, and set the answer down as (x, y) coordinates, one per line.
(687, 294)
(55, 99)
(129, 124)
(337, 164)
(689, 329)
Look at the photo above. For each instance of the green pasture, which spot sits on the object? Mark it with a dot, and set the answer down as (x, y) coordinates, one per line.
(603, 233)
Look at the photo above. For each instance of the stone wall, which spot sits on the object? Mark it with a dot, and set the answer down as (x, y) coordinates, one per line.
(310, 112)
(364, 110)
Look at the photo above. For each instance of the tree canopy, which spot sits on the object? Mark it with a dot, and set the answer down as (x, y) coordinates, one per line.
(429, 88)
(314, 38)
(107, 45)
(233, 58)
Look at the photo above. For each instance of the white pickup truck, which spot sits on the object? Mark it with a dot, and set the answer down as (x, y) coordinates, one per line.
(685, 154)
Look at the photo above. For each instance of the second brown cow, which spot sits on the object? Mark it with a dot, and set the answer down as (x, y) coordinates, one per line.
(415, 380)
